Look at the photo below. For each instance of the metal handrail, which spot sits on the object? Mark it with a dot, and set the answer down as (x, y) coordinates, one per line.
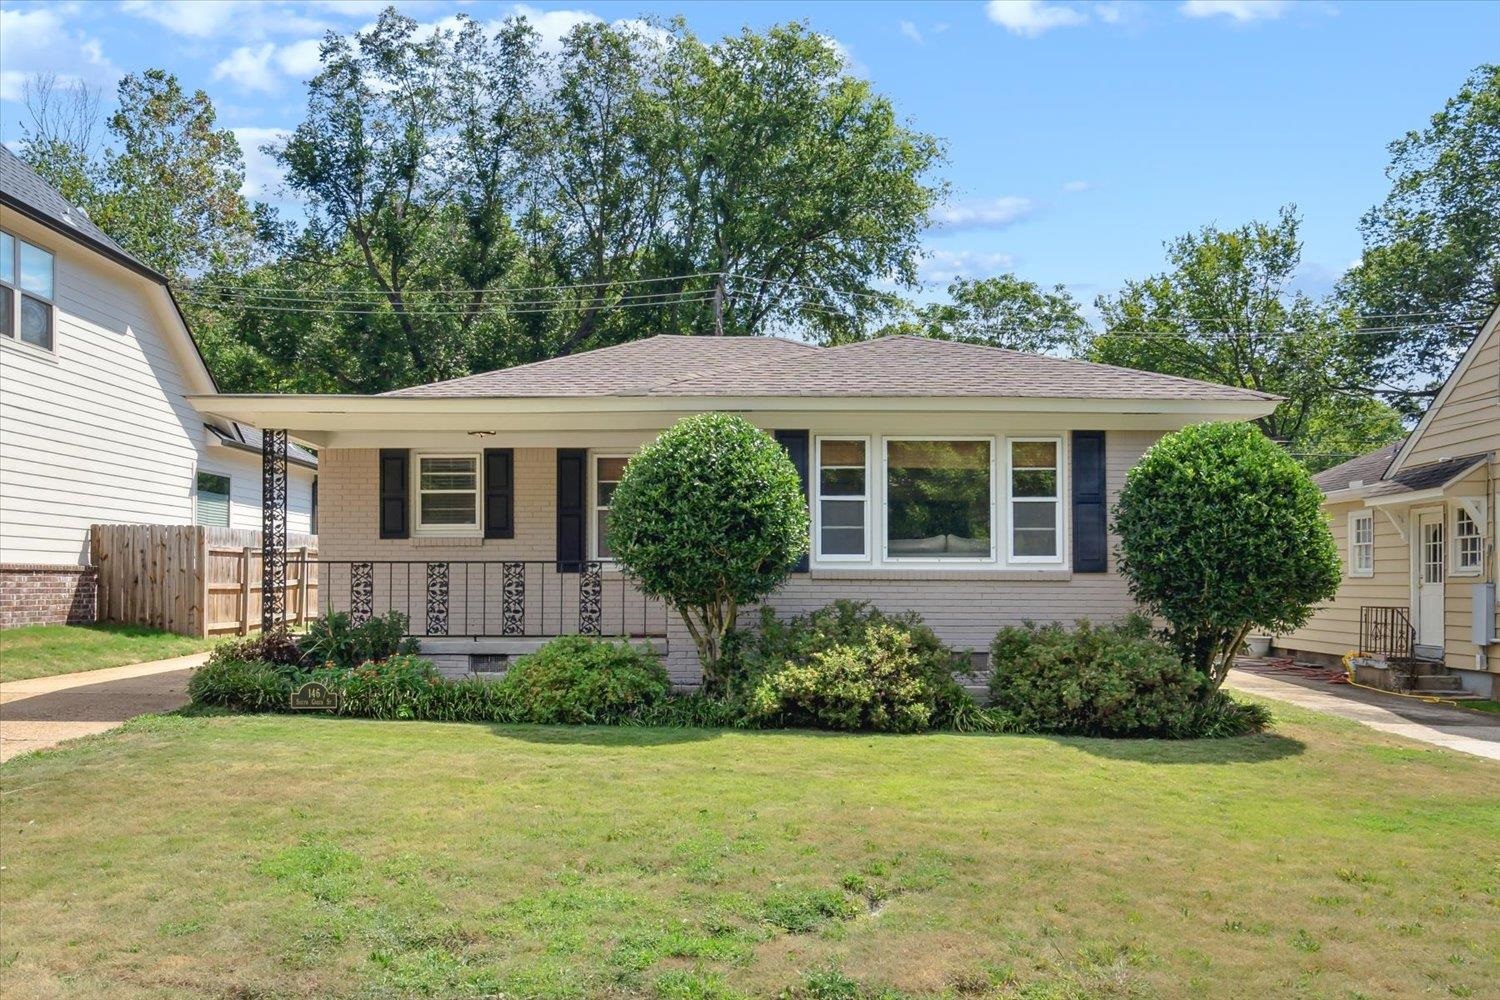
(1386, 631)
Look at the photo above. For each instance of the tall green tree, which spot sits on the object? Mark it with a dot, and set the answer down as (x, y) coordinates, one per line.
(1430, 271)
(1225, 310)
(1003, 311)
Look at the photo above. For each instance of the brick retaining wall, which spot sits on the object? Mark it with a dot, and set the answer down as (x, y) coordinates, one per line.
(34, 594)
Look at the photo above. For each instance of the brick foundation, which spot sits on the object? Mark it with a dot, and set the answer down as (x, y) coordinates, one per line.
(32, 594)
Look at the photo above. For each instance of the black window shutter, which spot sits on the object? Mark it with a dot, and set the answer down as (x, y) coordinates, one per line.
(796, 445)
(395, 489)
(499, 493)
(1090, 513)
(572, 523)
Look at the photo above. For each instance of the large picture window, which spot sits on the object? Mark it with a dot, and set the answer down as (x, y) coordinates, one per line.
(26, 293)
(447, 492)
(1034, 489)
(608, 470)
(843, 499)
(939, 502)
(1362, 544)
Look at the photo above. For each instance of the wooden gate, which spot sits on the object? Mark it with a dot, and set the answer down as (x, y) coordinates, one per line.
(194, 580)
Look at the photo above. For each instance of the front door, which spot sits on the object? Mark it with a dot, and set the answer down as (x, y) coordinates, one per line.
(1431, 568)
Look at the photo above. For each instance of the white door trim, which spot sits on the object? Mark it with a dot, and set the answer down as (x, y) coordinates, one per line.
(1427, 630)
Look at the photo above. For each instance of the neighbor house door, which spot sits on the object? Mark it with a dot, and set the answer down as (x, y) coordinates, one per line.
(1431, 568)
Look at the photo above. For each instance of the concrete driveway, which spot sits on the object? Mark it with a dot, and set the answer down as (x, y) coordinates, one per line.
(1465, 730)
(44, 711)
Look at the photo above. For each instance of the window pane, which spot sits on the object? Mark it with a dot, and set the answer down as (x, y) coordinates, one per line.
(448, 508)
(36, 322)
(1033, 454)
(1033, 483)
(1036, 542)
(449, 474)
(212, 509)
(7, 258)
(1034, 515)
(7, 304)
(843, 513)
(841, 453)
(212, 482)
(601, 532)
(611, 469)
(605, 494)
(36, 270)
(938, 496)
(842, 482)
(843, 541)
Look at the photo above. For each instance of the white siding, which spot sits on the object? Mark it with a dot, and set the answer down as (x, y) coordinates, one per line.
(243, 470)
(100, 431)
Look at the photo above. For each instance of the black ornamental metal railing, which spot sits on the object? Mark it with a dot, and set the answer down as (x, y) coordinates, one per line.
(1386, 632)
(474, 598)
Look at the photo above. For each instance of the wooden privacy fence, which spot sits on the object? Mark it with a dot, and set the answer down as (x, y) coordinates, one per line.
(193, 580)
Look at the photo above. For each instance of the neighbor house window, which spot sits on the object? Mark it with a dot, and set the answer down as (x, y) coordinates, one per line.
(26, 280)
(1362, 544)
(1034, 489)
(1468, 544)
(607, 472)
(939, 502)
(447, 492)
(843, 498)
(212, 501)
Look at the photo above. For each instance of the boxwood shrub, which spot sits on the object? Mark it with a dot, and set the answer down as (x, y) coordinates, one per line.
(576, 679)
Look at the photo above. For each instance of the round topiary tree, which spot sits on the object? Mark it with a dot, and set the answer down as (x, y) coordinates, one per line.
(1222, 532)
(709, 516)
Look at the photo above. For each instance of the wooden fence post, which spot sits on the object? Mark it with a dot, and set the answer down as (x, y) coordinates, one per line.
(245, 591)
(301, 586)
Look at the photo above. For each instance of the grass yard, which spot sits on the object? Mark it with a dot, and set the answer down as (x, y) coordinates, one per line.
(44, 650)
(311, 857)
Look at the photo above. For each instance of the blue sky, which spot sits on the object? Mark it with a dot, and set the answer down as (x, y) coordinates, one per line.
(1081, 135)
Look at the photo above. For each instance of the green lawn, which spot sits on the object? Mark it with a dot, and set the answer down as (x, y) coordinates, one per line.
(44, 650)
(309, 857)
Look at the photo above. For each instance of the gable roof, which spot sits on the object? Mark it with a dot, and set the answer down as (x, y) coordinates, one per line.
(1365, 469)
(1373, 474)
(1486, 330)
(905, 366)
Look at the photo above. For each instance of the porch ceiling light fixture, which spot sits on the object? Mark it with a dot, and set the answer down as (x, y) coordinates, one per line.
(481, 434)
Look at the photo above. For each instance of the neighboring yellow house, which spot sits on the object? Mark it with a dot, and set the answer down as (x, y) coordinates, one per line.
(1417, 524)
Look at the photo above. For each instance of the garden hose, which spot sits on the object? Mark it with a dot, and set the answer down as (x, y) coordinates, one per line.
(1430, 699)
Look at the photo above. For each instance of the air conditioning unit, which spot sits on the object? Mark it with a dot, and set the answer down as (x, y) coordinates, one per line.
(1484, 614)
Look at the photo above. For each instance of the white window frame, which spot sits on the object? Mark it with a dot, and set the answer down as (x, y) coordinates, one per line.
(594, 507)
(1059, 521)
(16, 291)
(1456, 564)
(1354, 567)
(453, 530)
(228, 495)
(927, 562)
(817, 499)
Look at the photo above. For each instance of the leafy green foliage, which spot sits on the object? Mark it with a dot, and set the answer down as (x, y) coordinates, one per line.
(240, 686)
(334, 640)
(840, 657)
(576, 679)
(392, 688)
(709, 516)
(1431, 260)
(1221, 533)
(799, 911)
(1003, 311)
(277, 647)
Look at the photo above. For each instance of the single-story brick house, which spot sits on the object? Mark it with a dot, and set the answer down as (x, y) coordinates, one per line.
(967, 483)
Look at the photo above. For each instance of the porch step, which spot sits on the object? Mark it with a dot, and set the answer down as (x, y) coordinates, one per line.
(1418, 667)
(1437, 684)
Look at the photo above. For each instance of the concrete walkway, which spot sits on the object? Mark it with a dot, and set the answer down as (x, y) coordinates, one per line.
(44, 711)
(1466, 731)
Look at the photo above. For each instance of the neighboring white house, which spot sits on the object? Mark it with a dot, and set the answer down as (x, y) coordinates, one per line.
(95, 367)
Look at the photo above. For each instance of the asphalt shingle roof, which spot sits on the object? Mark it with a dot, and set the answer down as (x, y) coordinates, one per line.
(1371, 470)
(1365, 469)
(764, 366)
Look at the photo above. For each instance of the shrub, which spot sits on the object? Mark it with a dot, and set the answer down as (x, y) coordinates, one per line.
(240, 685)
(754, 655)
(278, 647)
(334, 640)
(1222, 532)
(1112, 680)
(393, 688)
(709, 516)
(577, 679)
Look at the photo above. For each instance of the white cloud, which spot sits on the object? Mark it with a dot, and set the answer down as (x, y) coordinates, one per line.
(301, 59)
(39, 41)
(1238, 11)
(1030, 18)
(1073, 187)
(240, 18)
(264, 67)
(912, 31)
(942, 266)
(554, 25)
(996, 213)
(262, 173)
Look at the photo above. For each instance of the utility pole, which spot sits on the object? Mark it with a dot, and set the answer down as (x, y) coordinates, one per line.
(719, 306)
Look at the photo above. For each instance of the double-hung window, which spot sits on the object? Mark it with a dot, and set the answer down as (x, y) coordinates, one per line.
(1468, 544)
(608, 470)
(939, 499)
(1362, 543)
(26, 293)
(212, 500)
(1034, 490)
(447, 493)
(843, 500)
